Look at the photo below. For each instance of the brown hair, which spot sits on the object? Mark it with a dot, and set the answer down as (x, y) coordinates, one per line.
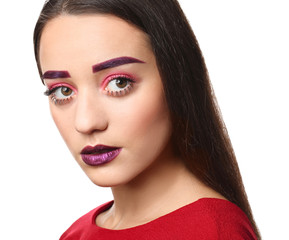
(199, 131)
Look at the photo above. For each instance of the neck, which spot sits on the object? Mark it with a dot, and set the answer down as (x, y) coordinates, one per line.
(150, 188)
(159, 190)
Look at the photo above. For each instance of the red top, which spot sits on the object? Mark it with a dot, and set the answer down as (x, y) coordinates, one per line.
(207, 218)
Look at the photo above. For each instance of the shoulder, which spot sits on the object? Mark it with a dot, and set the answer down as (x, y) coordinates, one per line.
(84, 223)
(223, 219)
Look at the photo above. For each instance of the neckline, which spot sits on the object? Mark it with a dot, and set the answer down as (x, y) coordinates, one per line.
(193, 205)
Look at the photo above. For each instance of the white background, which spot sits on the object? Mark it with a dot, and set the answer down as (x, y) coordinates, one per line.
(245, 44)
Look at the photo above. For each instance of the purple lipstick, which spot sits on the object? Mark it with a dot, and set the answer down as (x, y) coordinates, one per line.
(99, 154)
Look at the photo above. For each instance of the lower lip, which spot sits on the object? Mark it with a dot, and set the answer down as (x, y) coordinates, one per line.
(99, 159)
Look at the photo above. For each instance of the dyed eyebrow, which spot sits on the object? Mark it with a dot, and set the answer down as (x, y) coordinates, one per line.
(55, 74)
(114, 63)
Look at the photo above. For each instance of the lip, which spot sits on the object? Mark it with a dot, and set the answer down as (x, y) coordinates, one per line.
(99, 154)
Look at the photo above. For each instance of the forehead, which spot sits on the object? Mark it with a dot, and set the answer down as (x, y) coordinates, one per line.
(90, 39)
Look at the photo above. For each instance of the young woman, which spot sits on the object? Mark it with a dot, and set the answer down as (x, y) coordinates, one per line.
(130, 95)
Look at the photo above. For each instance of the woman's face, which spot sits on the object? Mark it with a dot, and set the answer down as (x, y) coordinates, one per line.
(106, 96)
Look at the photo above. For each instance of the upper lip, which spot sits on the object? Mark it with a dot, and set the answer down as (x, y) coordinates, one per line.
(97, 149)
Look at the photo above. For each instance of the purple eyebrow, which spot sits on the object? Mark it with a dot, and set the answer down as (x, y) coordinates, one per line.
(55, 74)
(114, 63)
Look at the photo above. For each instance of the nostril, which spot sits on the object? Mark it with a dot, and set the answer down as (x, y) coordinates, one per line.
(89, 125)
(89, 120)
(90, 111)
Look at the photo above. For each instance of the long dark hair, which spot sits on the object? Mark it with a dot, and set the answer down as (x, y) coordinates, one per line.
(199, 131)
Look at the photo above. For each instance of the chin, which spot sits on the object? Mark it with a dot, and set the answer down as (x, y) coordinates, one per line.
(108, 178)
(105, 182)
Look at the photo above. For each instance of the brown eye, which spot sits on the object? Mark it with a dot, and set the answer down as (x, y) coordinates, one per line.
(62, 92)
(66, 91)
(121, 82)
(119, 86)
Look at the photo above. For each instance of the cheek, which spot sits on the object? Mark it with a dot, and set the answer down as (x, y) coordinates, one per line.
(145, 119)
(63, 122)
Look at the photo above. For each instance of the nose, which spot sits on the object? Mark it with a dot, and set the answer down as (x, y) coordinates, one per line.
(89, 114)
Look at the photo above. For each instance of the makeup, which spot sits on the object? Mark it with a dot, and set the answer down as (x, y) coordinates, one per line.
(60, 93)
(55, 74)
(117, 84)
(114, 63)
(57, 101)
(99, 154)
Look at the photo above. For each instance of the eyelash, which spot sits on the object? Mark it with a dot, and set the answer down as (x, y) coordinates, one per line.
(55, 99)
(115, 93)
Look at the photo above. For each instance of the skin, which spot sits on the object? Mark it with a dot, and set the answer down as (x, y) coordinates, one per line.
(147, 173)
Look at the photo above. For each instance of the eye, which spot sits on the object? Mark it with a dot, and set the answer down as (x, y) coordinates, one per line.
(63, 92)
(119, 85)
(60, 94)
